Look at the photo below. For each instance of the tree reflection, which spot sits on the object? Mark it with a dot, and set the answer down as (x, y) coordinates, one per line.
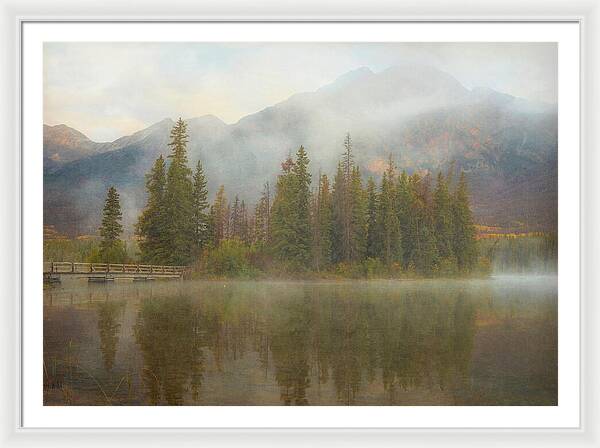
(167, 331)
(289, 347)
(108, 327)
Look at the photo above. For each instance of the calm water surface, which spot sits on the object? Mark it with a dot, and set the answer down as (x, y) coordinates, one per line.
(471, 342)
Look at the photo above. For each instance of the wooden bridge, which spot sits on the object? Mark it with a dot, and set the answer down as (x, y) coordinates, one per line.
(110, 271)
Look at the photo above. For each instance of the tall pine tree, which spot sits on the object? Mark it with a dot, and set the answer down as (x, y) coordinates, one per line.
(179, 199)
(442, 218)
(403, 202)
(391, 248)
(322, 225)
(424, 256)
(358, 223)
(350, 207)
(218, 218)
(112, 249)
(151, 226)
(340, 242)
(291, 212)
(200, 209)
(302, 200)
(464, 244)
(373, 229)
(284, 213)
(262, 217)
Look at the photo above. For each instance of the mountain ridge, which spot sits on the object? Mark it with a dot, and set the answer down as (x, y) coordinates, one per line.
(425, 119)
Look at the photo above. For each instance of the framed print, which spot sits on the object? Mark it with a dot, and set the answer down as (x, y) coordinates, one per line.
(282, 225)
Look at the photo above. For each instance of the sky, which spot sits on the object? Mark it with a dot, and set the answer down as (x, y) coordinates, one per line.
(107, 90)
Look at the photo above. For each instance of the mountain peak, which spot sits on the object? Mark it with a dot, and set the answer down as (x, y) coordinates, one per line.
(64, 133)
(348, 78)
(208, 118)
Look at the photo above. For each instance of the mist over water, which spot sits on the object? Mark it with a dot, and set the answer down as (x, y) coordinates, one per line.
(426, 342)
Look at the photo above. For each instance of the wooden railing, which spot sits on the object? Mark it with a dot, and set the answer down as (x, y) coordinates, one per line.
(66, 267)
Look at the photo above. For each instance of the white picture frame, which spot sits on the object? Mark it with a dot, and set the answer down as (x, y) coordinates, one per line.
(12, 431)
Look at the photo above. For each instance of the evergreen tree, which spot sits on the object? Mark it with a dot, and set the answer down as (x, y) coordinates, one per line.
(262, 217)
(358, 223)
(403, 203)
(339, 239)
(151, 224)
(349, 212)
(179, 199)
(244, 229)
(111, 247)
(322, 225)
(302, 200)
(464, 244)
(391, 249)
(236, 219)
(372, 224)
(200, 208)
(228, 228)
(442, 218)
(291, 212)
(218, 218)
(284, 213)
(424, 256)
(347, 199)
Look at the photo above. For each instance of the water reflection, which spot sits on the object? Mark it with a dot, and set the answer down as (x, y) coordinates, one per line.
(167, 331)
(108, 329)
(306, 343)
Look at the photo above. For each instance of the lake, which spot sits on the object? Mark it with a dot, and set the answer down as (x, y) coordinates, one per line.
(422, 342)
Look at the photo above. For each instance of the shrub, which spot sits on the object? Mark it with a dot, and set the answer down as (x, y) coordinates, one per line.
(116, 254)
(230, 259)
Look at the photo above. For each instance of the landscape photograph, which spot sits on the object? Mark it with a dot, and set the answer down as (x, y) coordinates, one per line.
(317, 224)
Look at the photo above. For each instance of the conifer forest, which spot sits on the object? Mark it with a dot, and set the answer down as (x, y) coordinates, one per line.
(339, 223)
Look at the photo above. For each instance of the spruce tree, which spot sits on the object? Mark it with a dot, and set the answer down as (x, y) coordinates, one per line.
(258, 231)
(236, 219)
(372, 224)
(284, 213)
(244, 228)
(218, 218)
(464, 244)
(112, 249)
(151, 226)
(291, 212)
(179, 199)
(200, 208)
(350, 207)
(302, 203)
(322, 225)
(391, 249)
(262, 217)
(339, 245)
(442, 217)
(403, 202)
(347, 199)
(358, 223)
(425, 255)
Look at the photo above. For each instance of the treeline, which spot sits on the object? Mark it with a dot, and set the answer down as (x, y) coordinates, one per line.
(403, 225)
(520, 254)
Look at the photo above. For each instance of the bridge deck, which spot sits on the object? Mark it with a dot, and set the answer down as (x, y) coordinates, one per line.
(113, 270)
